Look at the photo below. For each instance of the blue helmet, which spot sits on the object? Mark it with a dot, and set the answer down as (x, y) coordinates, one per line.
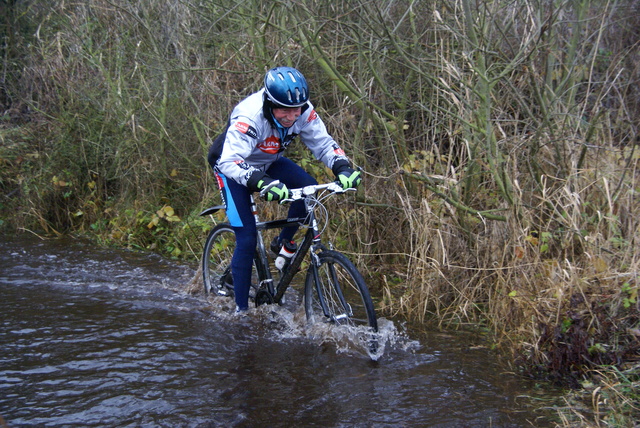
(286, 87)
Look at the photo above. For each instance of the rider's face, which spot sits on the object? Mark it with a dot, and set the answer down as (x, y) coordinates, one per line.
(286, 115)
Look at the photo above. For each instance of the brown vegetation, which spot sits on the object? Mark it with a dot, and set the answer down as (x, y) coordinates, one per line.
(499, 140)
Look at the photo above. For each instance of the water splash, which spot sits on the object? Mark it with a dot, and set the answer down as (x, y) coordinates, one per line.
(289, 322)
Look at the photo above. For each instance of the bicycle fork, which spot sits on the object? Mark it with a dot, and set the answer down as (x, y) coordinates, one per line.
(333, 277)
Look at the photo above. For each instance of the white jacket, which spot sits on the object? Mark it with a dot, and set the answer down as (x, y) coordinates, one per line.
(251, 143)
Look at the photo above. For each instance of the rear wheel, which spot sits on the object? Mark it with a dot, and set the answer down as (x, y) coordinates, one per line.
(216, 261)
(338, 293)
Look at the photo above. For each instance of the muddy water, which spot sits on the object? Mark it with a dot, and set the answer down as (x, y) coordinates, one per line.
(102, 338)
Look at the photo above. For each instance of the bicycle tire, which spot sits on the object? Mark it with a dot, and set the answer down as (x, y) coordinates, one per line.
(338, 281)
(216, 261)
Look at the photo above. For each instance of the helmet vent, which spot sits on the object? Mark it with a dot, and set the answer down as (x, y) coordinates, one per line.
(286, 86)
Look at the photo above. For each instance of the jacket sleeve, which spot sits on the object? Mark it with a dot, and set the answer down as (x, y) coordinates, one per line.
(315, 136)
(240, 141)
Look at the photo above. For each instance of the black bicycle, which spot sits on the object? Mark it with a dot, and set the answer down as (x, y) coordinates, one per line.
(334, 290)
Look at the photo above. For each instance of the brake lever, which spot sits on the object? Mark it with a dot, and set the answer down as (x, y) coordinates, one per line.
(338, 189)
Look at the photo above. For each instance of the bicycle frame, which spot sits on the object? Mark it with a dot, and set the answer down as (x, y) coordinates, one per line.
(311, 241)
(333, 287)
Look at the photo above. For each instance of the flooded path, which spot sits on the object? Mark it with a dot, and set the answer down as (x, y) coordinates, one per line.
(93, 337)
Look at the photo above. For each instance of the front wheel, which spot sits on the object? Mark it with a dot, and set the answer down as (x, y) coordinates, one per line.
(216, 261)
(338, 293)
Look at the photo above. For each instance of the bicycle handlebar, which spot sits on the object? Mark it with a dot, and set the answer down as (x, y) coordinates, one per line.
(303, 192)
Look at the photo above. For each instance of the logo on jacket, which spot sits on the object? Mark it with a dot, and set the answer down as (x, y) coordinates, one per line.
(271, 145)
(312, 116)
(337, 150)
(242, 164)
(245, 128)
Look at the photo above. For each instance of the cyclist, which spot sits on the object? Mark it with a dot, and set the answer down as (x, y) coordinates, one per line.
(248, 157)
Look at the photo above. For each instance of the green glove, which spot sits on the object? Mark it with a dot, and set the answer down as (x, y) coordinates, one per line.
(273, 190)
(349, 178)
